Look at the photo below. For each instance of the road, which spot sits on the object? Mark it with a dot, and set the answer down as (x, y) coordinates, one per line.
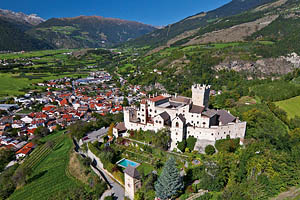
(115, 188)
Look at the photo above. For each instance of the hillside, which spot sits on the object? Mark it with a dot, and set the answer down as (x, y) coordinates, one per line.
(86, 32)
(193, 23)
(13, 37)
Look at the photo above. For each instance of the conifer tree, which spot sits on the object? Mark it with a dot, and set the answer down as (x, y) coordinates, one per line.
(169, 184)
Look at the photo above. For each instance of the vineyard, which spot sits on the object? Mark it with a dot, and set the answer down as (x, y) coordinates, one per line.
(41, 153)
(49, 171)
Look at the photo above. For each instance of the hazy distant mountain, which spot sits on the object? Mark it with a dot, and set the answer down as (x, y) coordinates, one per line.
(88, 31)
(32, 19)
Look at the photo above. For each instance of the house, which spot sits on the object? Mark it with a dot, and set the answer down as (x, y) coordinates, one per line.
(24, 151)
(26, 119)
(18, 124)
(119, 130)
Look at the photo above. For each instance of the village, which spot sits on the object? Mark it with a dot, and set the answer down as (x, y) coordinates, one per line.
(65, 102)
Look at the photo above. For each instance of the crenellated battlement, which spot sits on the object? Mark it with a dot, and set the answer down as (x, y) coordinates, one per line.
(201, 86)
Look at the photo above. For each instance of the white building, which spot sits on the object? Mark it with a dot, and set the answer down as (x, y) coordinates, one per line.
(184, 117)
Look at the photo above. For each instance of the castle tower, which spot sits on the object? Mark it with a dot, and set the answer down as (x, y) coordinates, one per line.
(200, 95)
(132, 181)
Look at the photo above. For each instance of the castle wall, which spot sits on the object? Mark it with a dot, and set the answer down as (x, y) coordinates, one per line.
(234, 130)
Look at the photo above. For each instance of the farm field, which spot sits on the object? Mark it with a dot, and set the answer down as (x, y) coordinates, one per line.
(291, 106)
(50, 175)
(13, 85)
(10, 85)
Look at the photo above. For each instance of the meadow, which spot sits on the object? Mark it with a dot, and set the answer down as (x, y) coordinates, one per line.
(50, 175)
(15, 84)
(291, 106)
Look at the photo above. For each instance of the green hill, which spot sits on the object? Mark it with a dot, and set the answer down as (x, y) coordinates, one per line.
(87, 32)
(14, 38)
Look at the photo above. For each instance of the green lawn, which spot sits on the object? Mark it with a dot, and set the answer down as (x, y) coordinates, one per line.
(10, 85)
(50, 176)
(291, 106)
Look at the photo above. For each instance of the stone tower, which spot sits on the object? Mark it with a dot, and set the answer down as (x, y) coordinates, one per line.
(200, 95)
(132, 181)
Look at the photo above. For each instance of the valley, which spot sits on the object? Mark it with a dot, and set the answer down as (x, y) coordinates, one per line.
(206, 108)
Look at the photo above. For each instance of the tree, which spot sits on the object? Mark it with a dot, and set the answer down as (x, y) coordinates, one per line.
(110, 130)
(169, 184)
(210, 150)
(125, 102)
(190, 143)
(42, 131)
(181, 145)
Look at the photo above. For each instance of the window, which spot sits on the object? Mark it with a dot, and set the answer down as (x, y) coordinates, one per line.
(177, 124)
(143, 109)
(150, 110)
(155, 111)
(197, 122)
(160, 122)
(156, 121)
(212, 134)
(192, 115)
(176, 133)
(192, 122)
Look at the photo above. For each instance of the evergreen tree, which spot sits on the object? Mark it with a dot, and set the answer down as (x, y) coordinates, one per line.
(169, 184)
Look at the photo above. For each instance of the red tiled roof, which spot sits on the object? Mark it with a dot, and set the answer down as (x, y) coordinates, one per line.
(31, 131)
(25, 150)
(158, 98)
(48, 108)
(63, 102)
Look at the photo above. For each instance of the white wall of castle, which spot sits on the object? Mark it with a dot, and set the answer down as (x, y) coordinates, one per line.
(234, 130)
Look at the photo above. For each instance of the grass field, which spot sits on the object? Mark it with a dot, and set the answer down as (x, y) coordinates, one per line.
(49, 176)
(291, 106)
(12, 84)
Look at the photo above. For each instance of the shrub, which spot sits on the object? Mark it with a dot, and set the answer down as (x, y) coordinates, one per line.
(190, 143)
(210, 150)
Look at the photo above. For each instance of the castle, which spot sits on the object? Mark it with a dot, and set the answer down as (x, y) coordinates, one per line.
(183, 116)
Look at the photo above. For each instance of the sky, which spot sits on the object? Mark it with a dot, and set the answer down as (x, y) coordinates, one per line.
(154, 12)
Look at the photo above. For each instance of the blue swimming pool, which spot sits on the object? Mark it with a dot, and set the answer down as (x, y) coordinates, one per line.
(125, 163)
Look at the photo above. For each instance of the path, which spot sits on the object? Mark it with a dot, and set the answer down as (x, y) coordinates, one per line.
(292, 193)
(115, 188)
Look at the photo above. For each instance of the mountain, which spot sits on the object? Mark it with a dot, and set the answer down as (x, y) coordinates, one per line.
(32, 19)
(192, 24)
(14, 38)
(88, 31)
